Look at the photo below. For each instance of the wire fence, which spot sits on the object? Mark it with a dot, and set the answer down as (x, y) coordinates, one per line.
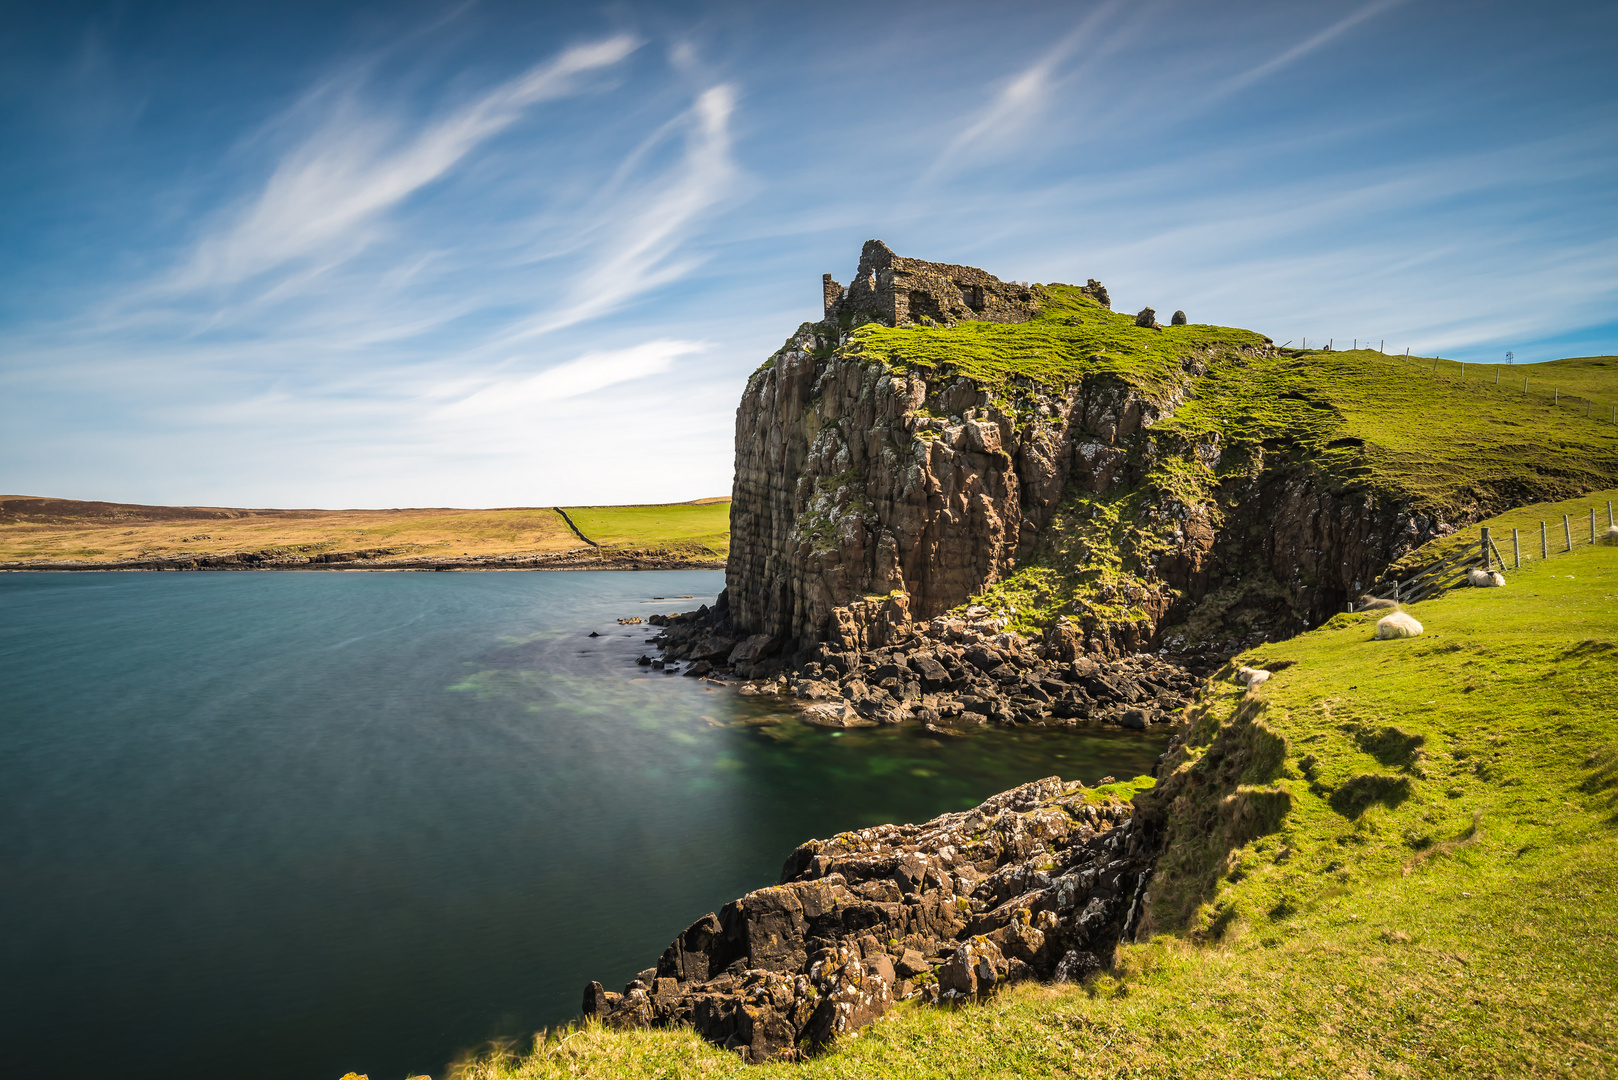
(1502, 377)
(1430, 579)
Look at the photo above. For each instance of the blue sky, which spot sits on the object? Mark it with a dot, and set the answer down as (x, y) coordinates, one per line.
(486, 254)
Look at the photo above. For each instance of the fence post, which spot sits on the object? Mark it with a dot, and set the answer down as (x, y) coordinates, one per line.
(1592, 524)
(1609, 514)
(1525, 385)
(1567, 532)
(1544, 548)
(1485, 546)
(1395, 590)
(1516, 552)
(1556, 397)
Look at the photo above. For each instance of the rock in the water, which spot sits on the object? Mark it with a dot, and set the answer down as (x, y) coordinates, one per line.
(1036, 882)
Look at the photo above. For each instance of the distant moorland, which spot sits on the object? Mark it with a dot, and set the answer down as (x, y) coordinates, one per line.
(38, 531)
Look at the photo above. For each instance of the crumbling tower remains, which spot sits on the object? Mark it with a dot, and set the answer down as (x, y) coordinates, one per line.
(911, 292)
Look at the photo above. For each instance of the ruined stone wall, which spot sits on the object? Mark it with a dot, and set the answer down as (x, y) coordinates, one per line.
(906, 292)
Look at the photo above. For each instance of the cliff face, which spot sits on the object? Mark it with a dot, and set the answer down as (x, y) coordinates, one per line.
(855, 481)
(889, 470)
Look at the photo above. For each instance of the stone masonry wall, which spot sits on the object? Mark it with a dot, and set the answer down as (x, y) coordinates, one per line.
(903, 292)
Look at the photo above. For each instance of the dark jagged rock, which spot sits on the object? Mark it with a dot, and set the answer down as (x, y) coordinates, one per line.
(950, 672)
(1148, 318)
(1040, 882)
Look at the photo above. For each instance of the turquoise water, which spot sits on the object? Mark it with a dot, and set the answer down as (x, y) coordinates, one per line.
(288, 825)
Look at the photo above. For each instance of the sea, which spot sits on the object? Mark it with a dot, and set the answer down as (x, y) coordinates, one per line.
(291, 825)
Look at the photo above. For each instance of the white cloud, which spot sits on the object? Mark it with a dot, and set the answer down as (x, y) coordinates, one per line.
(321, 198)
(521, 396)
(1302, 49)
(1022, 97)
(642, 228)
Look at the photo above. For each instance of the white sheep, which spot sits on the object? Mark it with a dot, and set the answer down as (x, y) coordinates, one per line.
(1611, 535)
(1371, 603)
(1399, 624)
(1251, 676)
(1485, 579)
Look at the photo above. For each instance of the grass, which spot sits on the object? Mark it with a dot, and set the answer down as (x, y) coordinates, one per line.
(1353, 422)
(1071, 338)
(1457, 918)
(702, 527)
(56, 530)
(1526, 520)
(1440, 437)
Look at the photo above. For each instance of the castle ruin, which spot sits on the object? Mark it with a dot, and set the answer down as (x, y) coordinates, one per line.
(911, 292)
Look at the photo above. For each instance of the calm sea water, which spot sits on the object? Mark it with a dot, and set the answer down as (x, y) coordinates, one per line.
(287, 825)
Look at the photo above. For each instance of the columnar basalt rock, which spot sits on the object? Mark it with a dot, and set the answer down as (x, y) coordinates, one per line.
(852, 481)
(1039, 882)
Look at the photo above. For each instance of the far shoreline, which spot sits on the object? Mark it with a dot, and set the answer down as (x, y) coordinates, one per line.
(241, 563)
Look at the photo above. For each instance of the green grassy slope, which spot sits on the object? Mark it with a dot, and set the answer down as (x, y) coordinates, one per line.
(1462, 922)
(1071, 338)
(1442, 441)
(699, 528)
(1440, 438)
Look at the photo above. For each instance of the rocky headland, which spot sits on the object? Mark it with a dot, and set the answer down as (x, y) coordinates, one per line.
(960, 501)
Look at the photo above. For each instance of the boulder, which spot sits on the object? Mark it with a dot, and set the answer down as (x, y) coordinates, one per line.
(1178, 319)
(869, 917)
(1147, 318)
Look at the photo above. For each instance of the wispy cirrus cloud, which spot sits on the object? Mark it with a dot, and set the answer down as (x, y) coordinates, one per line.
(521, 395)
(322, 198)
(1020, 98)
(1297, 52)
(638, 233)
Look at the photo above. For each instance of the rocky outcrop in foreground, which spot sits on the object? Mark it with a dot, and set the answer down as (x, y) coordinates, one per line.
(1040, 882)
(951, 674)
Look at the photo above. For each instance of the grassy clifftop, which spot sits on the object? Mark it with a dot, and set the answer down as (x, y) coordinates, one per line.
(1439, 899)
(1454, 441)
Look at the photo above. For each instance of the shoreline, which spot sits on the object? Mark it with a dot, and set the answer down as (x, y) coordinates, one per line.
(351, 561)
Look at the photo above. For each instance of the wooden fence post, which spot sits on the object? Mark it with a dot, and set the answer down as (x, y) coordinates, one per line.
(1485, 546)
(1544, 549)
(1516, 552)
(1567, 532)
(1525, 385)
(1592, 524)
(1556, 397)
(1609, 514)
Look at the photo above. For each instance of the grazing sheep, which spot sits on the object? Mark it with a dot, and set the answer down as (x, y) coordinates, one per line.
(1399, 624)
(1371, 603)
(1485, 579)
(1611, 535)
(1251, 676)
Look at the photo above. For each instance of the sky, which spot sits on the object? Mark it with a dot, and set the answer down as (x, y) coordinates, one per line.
(509, 254)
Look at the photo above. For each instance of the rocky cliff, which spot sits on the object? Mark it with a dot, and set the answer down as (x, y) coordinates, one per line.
(1038, 882)
(890, 469)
